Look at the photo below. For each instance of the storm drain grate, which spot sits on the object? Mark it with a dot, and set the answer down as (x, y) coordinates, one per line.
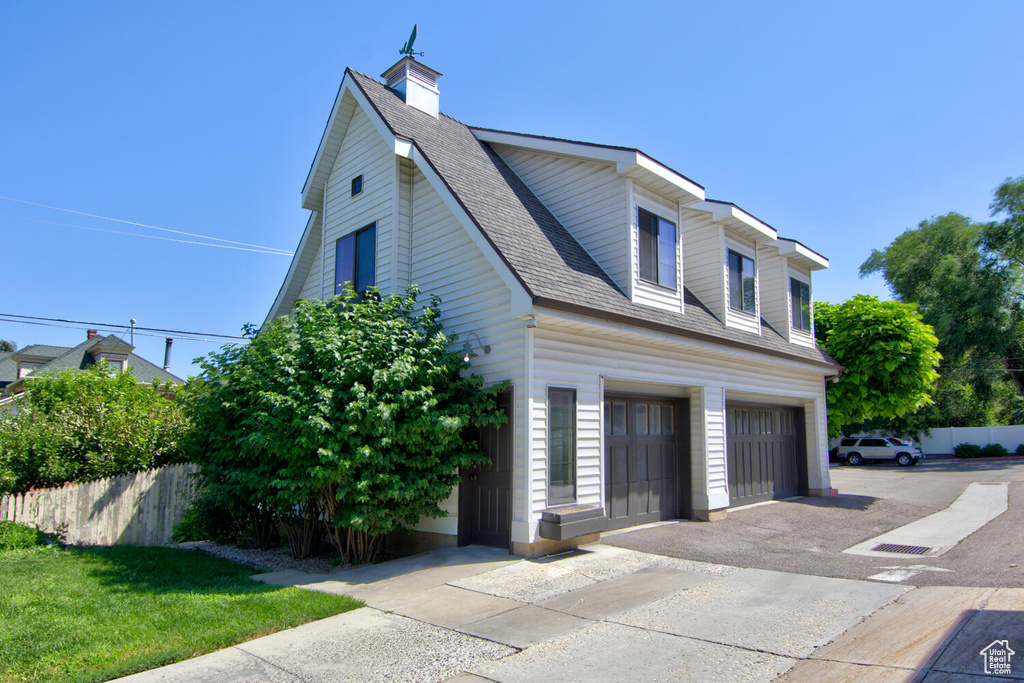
(904, 549)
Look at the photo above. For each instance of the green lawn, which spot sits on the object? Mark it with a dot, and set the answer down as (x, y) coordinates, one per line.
(92, 614)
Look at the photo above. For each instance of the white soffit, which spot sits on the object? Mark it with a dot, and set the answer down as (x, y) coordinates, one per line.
(628, 162)
(801, 255)
(738, 221)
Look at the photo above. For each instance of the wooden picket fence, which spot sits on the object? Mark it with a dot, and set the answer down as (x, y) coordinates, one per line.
(140, 508)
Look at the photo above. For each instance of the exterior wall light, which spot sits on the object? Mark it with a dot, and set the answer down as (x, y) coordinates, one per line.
(467, 348)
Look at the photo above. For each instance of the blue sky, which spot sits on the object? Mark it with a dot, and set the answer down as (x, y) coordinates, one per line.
(840, 124)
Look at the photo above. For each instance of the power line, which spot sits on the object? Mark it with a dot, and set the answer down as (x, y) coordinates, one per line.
(120, 330)
(143, 225)
(74, 324)
(152, 237)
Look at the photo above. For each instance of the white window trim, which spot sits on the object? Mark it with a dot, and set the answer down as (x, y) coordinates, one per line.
(751, 253)
(810, 301)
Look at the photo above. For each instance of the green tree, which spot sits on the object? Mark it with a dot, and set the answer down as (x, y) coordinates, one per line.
(966, 278)
(6, 346)
(79, 426)
(888, 355)
(350, 410)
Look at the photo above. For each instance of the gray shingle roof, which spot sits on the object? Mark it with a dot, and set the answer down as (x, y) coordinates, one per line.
(8, 368)
(552, 266)
(80, 357)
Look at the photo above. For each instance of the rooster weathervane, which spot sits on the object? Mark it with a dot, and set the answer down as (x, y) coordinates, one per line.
(407, 48)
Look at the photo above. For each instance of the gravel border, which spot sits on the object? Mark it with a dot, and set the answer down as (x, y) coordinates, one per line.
(273, 560)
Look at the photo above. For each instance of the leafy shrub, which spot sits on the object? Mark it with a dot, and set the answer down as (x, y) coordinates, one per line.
(967, 450)
(79, 426)
(351, 411)
(1020, 449)
(209, 519)
(17, 536)
(994, 450)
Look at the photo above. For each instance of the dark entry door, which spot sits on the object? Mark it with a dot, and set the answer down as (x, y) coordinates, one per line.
(766, 454)
(485, 495)
(645, 475)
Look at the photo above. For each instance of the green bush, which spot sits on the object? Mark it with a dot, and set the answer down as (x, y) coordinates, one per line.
(967, 450)
(352, 411)
(1020, 449)
(994, 450)
(17, 536)
(80, 426)
(209, 518)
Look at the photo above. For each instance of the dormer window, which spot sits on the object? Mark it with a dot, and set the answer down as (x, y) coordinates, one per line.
(26, 367)
(800, 296)
(742, 283)
(657, 250)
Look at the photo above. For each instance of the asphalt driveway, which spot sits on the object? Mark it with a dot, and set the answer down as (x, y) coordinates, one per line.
(808, 535)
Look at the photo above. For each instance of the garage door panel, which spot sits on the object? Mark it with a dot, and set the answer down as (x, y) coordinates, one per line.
(638, 462)
(618, 471)
(764, 454)
(618, 500)
(641, 461)
(655, 458)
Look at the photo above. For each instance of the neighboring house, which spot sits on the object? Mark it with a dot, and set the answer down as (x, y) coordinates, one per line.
(17, 367)
(659, 344)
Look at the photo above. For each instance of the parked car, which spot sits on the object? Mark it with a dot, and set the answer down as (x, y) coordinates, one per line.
(858, 450)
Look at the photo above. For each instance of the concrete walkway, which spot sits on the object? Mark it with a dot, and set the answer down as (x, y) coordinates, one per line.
(979, 504)
(611, 614)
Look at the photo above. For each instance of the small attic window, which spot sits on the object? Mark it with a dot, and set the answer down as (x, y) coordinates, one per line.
(357, 185)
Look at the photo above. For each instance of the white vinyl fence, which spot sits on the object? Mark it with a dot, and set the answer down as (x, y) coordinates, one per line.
(943, 440)
(139, 508)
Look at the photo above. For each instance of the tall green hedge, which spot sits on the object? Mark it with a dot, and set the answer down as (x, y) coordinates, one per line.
(79, 426)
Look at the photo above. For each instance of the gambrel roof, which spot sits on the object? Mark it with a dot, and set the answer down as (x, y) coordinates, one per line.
(550, 265)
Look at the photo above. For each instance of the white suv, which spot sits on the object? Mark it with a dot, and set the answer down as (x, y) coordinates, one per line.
(857, 450)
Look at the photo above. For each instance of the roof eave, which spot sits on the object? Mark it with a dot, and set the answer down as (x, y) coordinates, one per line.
(808, 258)
(600, 314)
(744, 224)
(331, 140)
(631, 163)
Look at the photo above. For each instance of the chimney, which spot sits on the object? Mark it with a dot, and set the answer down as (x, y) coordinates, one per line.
(167, 353)
(89, 334)
(416, 83)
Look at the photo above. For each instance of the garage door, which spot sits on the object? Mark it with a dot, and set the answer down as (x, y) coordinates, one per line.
(765, 453)
(643, 480)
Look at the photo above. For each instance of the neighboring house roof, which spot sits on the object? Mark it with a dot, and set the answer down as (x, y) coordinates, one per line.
(8, 368)
(78, 358)
(552, 267)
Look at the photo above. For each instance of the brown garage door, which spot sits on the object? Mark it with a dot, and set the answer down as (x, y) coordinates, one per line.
(766, 454)
(644, 481)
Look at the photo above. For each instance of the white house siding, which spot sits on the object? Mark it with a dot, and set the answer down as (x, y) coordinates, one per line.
(775, 304)
(735, 318)
(363, 152)
(643, 292)
(587, 197)
(582, 355)
(312, 288)
(703, 249)
(444, 261)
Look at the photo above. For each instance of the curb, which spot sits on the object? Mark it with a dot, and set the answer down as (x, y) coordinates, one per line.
(1004, 457)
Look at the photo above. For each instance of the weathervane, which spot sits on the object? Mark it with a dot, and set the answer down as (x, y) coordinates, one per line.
(407, 48)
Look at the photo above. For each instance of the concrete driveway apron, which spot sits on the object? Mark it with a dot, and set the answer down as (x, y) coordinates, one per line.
(599, 614)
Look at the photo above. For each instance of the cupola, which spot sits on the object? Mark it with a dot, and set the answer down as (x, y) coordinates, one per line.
(416, 83)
